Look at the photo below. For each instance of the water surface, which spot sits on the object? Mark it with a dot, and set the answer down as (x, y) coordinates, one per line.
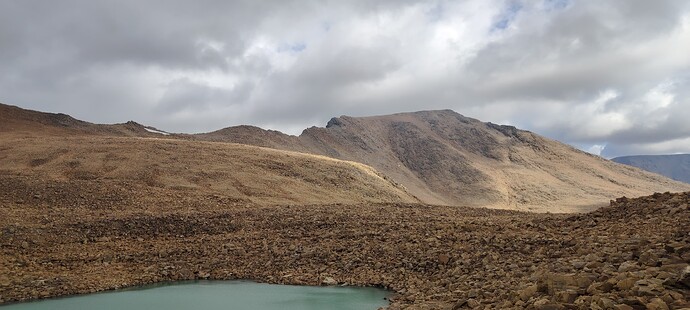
(212, 295)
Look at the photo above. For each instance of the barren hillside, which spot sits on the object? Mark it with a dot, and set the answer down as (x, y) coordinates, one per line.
(170, 169)
(443, 157)
(439, 157)
(17, 120)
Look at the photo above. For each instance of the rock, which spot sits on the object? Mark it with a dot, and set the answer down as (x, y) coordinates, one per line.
(556, 282)
(648, 287)
(623, 307)
(460, 304)
(546, 304)
(685, 277)
(626, 284)
(443, 259)
(605, 303)
(204, 275)
(657, 304)
(578, 264)
(528, 292)
(628, 266)
(568, 296)
(473, 303)
(649, 258)
(473, 293)
(329, 281)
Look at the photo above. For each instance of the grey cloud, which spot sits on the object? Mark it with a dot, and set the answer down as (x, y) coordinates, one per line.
(202, 65)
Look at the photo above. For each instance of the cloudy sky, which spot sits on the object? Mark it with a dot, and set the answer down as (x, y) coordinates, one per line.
(611, 77)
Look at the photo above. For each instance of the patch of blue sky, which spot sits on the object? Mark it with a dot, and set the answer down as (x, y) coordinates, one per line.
(507, 16)
(435, 13)
(292, 48)
(556, 5)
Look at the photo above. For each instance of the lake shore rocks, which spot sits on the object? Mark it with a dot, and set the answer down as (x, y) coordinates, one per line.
(84, 237)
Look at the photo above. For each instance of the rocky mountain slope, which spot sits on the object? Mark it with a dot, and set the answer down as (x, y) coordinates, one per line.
(675, 166)
(442, 157)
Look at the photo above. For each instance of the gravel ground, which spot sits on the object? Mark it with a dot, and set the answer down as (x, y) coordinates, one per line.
(78, 236)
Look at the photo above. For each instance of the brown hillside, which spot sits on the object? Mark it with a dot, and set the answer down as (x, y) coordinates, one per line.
(17, 120)
(174, 168)
(443, 157)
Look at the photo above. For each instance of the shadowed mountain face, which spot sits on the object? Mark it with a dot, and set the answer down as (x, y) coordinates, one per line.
(676, 166)
(442, 157)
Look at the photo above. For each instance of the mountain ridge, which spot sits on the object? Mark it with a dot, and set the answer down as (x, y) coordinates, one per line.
(442, 157)
(674, 166)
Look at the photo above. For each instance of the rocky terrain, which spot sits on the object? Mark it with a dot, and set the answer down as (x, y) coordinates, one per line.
(445, 158)
(76, 236)
(87, 207)
(676, 166)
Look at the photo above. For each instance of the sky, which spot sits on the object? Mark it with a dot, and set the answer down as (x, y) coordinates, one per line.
(610, 77)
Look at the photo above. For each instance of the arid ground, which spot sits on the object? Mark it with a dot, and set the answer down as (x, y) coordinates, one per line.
(86, 208)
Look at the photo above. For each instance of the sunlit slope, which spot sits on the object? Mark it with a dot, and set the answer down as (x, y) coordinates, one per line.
(242, 173)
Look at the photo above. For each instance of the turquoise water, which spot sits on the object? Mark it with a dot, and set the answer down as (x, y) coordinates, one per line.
(212, 295)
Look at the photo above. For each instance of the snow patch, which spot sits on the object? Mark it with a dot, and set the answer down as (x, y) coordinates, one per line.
(156, 131)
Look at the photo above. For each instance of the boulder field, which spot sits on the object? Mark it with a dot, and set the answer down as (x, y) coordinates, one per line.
(64, 237)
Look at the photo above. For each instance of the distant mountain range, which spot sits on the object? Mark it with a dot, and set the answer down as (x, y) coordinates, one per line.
(438, 157)
(676, 166)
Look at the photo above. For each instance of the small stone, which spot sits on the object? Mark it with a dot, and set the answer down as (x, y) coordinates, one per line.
(606, 303)
(473, 303)
(204, 275)
(626, 284)
(546, 304)
(657, 304)
(649, 258)
(685, 277)
(329, 281)
(623, 307)
(443, 259)
(473, 293)
(628, 266)
(648, 287)
(527, 293)
(567, 296)
(578, 264)
(460, 304)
